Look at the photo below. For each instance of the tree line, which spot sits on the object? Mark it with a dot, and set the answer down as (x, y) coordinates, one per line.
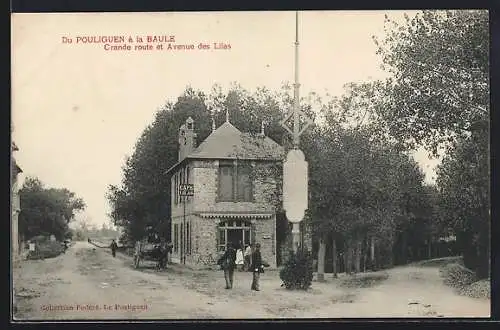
(368, 197)
(46, 211)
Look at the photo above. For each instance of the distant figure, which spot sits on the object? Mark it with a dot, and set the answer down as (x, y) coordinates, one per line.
(160, 253)
(113, 247)
(257, 267)
(247, 257)
(227, 263)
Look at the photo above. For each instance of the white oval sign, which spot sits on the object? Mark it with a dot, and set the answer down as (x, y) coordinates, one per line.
(295, 185)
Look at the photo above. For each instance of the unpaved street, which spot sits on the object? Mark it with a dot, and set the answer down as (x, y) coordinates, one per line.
(89, 284)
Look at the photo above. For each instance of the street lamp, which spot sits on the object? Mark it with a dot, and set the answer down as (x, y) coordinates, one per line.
(295, 167)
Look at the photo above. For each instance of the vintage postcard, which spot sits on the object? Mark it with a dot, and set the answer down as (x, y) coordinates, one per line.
(243, 165)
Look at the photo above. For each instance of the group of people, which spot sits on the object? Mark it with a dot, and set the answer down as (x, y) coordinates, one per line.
(250, 260)
(243, 257)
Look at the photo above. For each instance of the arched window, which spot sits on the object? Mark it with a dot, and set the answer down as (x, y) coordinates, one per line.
(234, 231)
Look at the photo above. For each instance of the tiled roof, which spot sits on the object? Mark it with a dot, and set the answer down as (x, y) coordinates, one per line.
(228, 142)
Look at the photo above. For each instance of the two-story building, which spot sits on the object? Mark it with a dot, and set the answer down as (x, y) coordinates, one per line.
(234, 196)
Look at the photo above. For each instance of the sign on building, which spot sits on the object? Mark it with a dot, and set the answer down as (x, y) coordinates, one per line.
(186, 189)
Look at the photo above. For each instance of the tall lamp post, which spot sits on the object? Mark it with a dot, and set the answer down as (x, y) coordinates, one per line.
(295, 167)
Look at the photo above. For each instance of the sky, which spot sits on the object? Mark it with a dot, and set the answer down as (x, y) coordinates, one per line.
(78, 109)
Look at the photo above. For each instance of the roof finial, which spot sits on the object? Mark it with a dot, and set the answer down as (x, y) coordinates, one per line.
(213, 123)
(227, 115)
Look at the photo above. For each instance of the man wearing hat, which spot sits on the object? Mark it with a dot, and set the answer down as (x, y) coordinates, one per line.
(257, 267)
(228, 264)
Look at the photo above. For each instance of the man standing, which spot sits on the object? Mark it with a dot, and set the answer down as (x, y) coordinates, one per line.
(113, 247)
(257, 267)
(228, 263)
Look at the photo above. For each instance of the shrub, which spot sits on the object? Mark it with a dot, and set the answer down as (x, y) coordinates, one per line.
(479, 289)
(457, 276)
(297, 272)
(463, 280)
(47, 249)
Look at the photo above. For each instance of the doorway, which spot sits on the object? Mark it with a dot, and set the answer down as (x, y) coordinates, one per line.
(234, 232)
(235, 236)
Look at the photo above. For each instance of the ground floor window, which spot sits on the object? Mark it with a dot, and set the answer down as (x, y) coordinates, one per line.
(176, 238)
(234, 231)
(188, 240)
(183, 240)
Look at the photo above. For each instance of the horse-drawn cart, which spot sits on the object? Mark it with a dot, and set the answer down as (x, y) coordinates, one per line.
(157, 252)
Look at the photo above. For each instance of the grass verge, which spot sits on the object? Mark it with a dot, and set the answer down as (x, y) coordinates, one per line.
(439, 262)
(363, 280)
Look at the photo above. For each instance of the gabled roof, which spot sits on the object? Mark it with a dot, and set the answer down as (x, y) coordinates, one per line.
(227, 142)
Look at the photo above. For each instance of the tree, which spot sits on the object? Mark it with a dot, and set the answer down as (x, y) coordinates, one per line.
(439, 88)
(464, 187)
(359, 189)
(143, 200)
(438, 97)
(46, 211)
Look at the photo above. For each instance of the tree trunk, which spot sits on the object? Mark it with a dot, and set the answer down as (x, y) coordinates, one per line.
(372, 252)
(365, 253)
(334, 256)
(321, 259)
(404, 259)
(429, 254)
(390, 262)
(357, 256)
(349, 257)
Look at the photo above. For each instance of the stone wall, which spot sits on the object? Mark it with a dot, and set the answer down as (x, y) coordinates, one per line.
(204, 239)
(265, 234)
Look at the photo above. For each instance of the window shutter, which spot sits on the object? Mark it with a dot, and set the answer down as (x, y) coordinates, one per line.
(226, 183)
(244, 186)
(217, 241)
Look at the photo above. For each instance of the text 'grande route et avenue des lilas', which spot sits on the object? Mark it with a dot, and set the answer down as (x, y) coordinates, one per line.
(146, 42)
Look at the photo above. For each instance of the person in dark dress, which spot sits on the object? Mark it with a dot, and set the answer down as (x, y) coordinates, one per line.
(113, 247)
(228, 264)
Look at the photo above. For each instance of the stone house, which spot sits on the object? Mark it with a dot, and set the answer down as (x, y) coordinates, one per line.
(235, 193)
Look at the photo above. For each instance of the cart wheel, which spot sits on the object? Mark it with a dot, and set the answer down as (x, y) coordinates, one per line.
(136, 262)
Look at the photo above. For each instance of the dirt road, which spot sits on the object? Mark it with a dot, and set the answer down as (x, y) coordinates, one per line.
(89, 284)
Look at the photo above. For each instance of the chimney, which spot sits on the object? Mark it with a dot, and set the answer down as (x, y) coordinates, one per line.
(187, 138)
(262, 132)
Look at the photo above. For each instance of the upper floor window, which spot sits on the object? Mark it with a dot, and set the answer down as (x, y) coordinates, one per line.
(180, 177)
(235, 183)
